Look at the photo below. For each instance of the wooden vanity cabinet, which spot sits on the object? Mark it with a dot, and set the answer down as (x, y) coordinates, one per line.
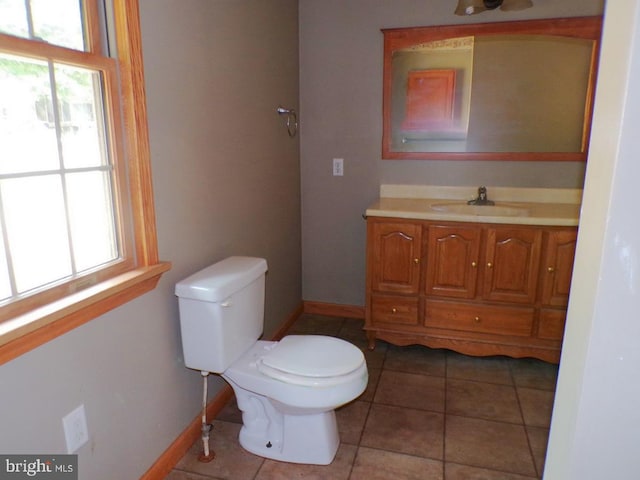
(480, 289)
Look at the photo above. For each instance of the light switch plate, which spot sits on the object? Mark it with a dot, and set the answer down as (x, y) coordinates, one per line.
(338, 167)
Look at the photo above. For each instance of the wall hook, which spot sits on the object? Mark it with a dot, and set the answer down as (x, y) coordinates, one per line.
(292, 119)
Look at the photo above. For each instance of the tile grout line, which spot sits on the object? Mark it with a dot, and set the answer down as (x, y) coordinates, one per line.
(524, 423)
(444, 418)
(366, 419)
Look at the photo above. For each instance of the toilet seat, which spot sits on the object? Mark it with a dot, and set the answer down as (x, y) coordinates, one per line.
(311, 360)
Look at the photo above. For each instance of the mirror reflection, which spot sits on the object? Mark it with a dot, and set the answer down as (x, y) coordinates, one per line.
(515, 90)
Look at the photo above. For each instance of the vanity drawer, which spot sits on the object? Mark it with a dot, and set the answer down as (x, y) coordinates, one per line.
(395, 310)
(551, 326)
(479, 318)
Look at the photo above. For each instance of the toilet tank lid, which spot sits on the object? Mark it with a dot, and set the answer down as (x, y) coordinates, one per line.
(221, 280)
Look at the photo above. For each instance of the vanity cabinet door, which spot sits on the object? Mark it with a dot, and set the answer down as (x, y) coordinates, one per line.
(511, 265)
(557, 267)
(394, 257)
(452, 260)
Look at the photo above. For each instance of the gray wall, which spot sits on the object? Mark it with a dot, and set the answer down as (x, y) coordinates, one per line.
(341, 109)
(226, 181)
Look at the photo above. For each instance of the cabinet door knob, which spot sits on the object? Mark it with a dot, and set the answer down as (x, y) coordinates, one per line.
(489, 265)
(474, 264)
(416, 261)
(551, 269)
(393, 310)
(476, 319)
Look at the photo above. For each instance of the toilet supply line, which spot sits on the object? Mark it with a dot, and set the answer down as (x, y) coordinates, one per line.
(207, 455)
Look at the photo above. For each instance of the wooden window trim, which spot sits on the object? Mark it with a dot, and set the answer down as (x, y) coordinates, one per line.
(32, 329)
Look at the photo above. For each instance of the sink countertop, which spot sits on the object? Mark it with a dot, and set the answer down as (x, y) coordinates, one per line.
(543, 206)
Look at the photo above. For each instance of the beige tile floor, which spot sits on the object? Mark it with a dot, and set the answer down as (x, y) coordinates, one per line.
(426, 414)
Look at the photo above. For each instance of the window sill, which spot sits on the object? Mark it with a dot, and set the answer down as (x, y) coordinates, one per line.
(26, 332)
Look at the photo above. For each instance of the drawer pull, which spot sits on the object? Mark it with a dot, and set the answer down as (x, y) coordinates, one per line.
(489, 265)
(474, 264)
(394, 310)
(551, 269)
(416, 261)
(476, 319)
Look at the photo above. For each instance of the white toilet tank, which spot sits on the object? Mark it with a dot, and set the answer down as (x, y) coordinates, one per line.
(221, 312)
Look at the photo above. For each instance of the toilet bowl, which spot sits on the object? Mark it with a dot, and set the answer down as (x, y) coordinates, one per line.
(288, 406)
(288, 390)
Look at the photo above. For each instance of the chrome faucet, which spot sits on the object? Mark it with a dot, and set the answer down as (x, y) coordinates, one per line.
(482, 198)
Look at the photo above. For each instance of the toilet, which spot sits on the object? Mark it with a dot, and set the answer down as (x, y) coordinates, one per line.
(287, 390)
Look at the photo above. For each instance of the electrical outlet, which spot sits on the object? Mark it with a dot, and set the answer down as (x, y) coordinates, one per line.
(76, 432)
(338, 167)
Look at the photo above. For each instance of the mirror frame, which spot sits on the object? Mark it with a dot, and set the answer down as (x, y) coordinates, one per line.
(577, 27)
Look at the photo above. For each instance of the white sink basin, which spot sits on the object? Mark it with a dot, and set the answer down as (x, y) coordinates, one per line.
(499, 210)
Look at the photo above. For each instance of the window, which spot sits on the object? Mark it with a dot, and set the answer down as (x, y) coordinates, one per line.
(77, 228)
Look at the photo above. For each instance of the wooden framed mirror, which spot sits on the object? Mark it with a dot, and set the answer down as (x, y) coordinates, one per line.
(492, 91)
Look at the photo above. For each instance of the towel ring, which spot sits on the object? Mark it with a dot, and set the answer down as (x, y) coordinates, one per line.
(292, 120)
